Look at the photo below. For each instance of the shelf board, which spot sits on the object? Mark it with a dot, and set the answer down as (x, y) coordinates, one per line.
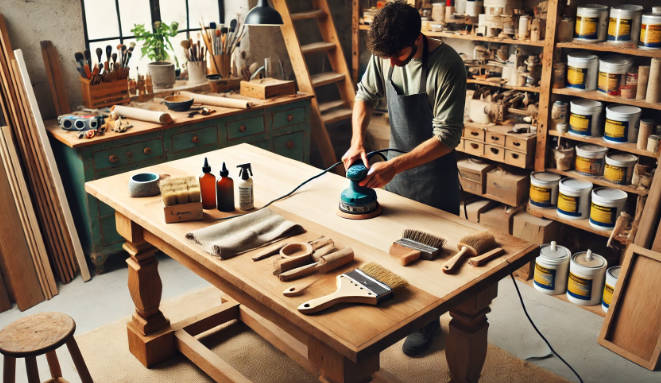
(498, 84)
(583, 224)
(627, 49)
(595, 95)
(601, 181)
(491, 197)
(596, 309)
(623, 147)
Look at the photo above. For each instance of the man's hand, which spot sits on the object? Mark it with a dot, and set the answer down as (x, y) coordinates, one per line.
(379, 174)
(355, 153)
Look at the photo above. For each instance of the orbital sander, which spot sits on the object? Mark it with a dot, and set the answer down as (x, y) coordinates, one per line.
(358, 202)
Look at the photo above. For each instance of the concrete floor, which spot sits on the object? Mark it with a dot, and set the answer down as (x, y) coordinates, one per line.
(571, 330)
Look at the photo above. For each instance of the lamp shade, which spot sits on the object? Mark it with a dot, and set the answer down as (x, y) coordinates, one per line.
(263, 14)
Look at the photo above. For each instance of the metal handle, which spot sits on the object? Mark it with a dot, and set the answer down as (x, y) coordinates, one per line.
(147, 150)
(242, 128)
(195, 139)
(113, 159)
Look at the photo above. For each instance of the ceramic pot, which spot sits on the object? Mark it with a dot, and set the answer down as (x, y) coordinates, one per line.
(144, 185)
(162, 74)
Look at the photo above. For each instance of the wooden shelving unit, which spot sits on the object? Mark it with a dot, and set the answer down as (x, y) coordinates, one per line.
(596, 309)
(601, 181)
(583, 224)
(595, 95)
(623, 147)
(626, 49)
(499, 84)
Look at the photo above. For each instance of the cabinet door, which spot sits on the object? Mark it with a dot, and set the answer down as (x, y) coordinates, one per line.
(127, 155)
(288, 116)
(290, 145)
(238, 130)
(199, 138)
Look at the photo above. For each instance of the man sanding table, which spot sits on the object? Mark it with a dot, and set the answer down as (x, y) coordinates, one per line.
(424, 81)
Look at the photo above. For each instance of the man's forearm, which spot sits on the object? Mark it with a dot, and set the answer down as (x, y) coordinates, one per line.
(427, 151)
(360, 119)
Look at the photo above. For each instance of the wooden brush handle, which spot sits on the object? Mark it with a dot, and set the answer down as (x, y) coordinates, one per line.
(296, 290)
(451, 265)
(298, 272)
(332, 261)
(486, 257)
(406, 255)
(346, 292)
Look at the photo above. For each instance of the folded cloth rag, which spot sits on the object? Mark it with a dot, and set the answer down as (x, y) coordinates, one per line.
(253, 230)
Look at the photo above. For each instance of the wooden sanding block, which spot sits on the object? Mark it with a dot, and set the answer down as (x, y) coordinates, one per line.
(326, 263)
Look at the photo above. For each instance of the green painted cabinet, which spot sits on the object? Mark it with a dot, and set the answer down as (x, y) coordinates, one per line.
(283, 128)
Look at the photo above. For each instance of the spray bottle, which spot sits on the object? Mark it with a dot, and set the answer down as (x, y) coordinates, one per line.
(246, 201)
(207, 186)
(225, 191)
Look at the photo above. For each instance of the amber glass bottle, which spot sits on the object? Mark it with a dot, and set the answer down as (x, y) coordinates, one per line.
(225, 191)
(208, 187)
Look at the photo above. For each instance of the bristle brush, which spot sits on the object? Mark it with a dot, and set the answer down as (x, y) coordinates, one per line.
(470, 246)
(415, 244)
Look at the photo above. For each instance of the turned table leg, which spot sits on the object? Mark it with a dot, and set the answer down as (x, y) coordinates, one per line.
(466, 346)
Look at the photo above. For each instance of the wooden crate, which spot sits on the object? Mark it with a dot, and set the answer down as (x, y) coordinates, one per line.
(267, 87)
(104, 93)
(511, 188)
(473, 174)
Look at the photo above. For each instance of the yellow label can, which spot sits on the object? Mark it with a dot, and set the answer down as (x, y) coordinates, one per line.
(576, 77)
(580, 288)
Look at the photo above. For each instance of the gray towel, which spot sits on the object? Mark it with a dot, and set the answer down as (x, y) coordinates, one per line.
(238, 235)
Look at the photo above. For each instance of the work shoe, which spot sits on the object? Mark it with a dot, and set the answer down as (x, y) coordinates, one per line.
(417, 343)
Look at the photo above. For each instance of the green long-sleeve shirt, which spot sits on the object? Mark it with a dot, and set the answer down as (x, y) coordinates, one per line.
(446, 88)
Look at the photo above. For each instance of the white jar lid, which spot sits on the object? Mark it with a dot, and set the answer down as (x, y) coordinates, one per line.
(553, 252)
(574, 184)
(546, 177)
(589, 259)
(609, 194)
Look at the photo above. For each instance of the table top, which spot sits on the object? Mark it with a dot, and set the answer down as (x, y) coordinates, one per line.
(350, 329)
(70, 138)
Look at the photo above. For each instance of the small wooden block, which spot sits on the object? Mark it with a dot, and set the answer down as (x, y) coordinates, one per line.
(267, 88)
(183, 212)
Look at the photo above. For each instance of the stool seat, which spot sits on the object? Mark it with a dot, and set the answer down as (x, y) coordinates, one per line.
(36, 334)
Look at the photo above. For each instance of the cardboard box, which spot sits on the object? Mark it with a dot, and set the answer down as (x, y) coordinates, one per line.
(498, 219)
(510, 187)
(182, 212)
(266, 88)
(536, 230)
(475, 208)
(473, 174)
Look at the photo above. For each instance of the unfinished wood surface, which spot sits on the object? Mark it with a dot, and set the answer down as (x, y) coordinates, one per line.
(352, 330)
(632, 327)
(35, 334)
(649, 221)
(54, 75)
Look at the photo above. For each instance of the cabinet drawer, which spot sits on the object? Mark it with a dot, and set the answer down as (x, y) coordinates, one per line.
(245, 127)
(519, 159)
(494, 138)
(496, 153)
(473, 147)
(290, 145)
(198, 138)
(472, 133)
(291, 116)
(521, 143)
(129, 154)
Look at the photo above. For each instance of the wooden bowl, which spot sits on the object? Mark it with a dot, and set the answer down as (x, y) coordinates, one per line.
(178, 103)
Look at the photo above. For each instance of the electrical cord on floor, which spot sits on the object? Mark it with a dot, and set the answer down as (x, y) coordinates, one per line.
(525, 311)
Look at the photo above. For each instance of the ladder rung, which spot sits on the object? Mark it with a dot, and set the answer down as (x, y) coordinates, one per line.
(317, 13)
(326, 106)
(321, 46)
(325, 78)
(336, 115)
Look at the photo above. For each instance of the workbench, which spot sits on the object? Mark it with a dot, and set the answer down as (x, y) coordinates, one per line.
(280, 124)
(340, 344)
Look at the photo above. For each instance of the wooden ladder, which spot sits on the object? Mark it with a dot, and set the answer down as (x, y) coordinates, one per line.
(325, 113)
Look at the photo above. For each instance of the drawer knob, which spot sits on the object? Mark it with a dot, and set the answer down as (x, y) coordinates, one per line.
(290, 117)
(290, 144)
(113, 159)
(515, 156)
(195, 139)
(147, 150)
(495, 138)
(129, 155)
(242, 128)
(475, 133)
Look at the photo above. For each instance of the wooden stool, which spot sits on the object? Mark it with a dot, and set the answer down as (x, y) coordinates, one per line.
(40, 334)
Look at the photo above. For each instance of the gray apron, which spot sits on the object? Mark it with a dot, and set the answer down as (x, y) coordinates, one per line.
(435, 183)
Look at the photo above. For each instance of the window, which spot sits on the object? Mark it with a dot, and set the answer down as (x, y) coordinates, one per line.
(109, 22)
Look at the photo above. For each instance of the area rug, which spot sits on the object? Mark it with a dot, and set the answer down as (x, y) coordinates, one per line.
(106, 352)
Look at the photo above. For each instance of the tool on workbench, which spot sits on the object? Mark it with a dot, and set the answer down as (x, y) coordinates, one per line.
(358, 202)
(482, 259)
(297, 254)
(470, 246)
(324, 264)
(415, 244)
(370, 284)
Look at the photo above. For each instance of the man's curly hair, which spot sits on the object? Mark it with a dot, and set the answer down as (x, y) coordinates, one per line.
(394, 28)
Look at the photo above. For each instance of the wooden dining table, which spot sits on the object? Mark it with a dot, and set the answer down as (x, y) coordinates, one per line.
(341, 344)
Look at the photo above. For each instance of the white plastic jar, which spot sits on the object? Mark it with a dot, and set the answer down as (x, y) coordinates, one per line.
(612, 71)
(551, 267)
(586, 278)
(585, 117)
(650, 32)
(573, 198)
(591, 23)
(544, 189)
(612, 274)
(624, 24)
(605, 207)
(619, 168)
(582, 70)
(622, 123)
(590, 159)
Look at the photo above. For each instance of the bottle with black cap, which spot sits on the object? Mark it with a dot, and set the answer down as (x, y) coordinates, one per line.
(207, 187)
(225, 190)
(245, 187)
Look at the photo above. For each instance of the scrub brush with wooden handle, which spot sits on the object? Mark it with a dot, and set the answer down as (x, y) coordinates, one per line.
(470, 246)
(415, 244)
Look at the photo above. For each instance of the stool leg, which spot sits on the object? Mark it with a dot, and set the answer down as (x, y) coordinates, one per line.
(32, 370)
(78, 361)
(53, 364)
(9, 371)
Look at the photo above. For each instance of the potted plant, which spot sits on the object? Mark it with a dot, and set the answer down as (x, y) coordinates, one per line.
(156, 44)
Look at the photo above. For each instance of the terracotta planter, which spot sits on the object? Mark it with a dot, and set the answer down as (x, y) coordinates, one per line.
(162, 74)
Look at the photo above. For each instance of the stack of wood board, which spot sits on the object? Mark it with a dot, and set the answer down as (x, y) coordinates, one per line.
(43, 179)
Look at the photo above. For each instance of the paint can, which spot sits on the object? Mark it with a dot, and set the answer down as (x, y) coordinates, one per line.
(573, 198)
(624, 24)
(582, 70)
(590, 159)
(619, 168)
(586, 278)
(585, 117)
(544, 189)
(524, 22)
(621, 123)
(551, 267)
(650, 32)
(612, 273)
(591, 23)
(612, 71)
(605, 207)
